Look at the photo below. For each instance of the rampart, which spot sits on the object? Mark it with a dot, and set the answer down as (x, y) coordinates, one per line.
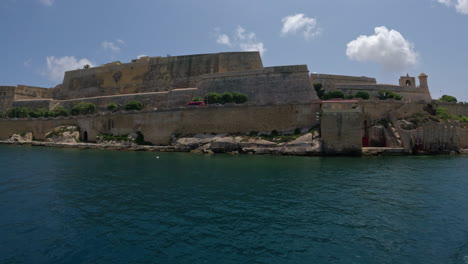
(158, 126)
(153, 74)
(284, 84)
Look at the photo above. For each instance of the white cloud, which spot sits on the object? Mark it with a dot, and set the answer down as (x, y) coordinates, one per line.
(111, 46)
(47, 2)
(299, 23)
(223, 39)
(56, 67)
(386, 47)
(243, 40)
(460, 5)
(142, 55)
(445, 2)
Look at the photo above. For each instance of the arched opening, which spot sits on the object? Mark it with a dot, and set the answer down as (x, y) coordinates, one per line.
(85, 136)
(140, 140)
(408, 83)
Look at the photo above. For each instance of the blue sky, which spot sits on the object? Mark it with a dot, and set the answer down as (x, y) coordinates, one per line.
(42, 38)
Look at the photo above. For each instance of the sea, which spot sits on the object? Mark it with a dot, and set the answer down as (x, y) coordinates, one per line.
(62, 205)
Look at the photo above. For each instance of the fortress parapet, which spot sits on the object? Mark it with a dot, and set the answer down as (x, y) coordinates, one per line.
(350, 85)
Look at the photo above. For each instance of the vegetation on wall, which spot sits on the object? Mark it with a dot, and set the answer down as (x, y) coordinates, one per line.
(386, 94)
(83, 108)
(448, 98)
(113, 107)
(362, 95)
(24, 112)
(197, 99)
(224, 98)
(134, 105)
(318, 90)
(333, 95)
(443, 113)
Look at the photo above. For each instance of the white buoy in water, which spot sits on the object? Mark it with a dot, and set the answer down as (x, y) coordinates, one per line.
(157, 157)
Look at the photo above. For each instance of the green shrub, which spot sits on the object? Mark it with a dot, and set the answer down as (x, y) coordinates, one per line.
(448, 98)
(442, 113)
(18, 112)
(2, 115)
(197, 99)
(239, 98)
(362, 95)
(333, 94)
(318, 90)
(134, 105)
(83, 108)
(227, 98)
(59, 111)
(349, 97)
(113, 107)
(297, 131)
(212, 98)
(386, 94)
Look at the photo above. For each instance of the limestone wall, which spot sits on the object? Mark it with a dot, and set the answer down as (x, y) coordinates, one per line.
(341, 132)
(152, 74)
(7, 95)
(34, 104)
(408, 93)
(158, 126)
(459, 109)
(329, 81)
(174, 98)
(29, 92)
(273, 85)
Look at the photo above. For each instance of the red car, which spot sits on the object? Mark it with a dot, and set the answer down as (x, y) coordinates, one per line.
(195, 104)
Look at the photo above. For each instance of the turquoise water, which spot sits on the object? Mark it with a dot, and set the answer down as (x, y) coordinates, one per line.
(93, 206)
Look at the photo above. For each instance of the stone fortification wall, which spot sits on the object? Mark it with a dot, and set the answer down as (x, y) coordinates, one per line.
(152, 74)
(408, 93)
(272, 85)
(459, 109)
(29, 92)
(158, 126)
(34, 103)
(341, 131)
(7, 95)
(329, 81)
(174, 98)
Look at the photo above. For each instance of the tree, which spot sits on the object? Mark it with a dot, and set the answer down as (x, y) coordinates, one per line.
(197, 99)
(448, 98)
(134, 105)
(318, 90)
(83, 108)
(386, 94)
(239, 98)
(59, 111)
(113, 107)
(212, 98)
(227, 98)
(362, 95)
(18, 112)
(333, 94)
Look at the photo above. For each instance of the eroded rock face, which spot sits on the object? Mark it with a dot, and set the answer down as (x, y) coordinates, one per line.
(23, 137)
(64, 134)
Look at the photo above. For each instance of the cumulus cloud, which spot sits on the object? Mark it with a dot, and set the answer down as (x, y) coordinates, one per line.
(56, 67)
(47, 2)
(460, 5)
(386, 47)
(299, 23)
(111, 46)
(241, 39)
(223, 39)
(142, 55)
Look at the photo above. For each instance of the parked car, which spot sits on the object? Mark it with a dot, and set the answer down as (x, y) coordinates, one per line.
(195, 104)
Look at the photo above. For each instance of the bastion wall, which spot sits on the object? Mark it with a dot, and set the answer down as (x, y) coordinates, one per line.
(152, 74)
(158, 126)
